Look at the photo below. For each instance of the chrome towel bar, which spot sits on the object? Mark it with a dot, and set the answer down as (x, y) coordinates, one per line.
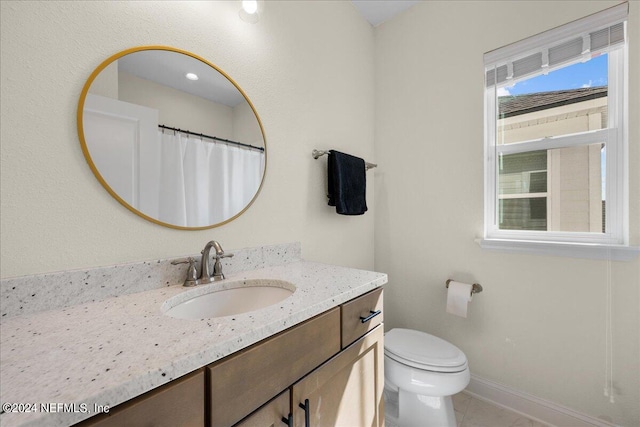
(318, 153)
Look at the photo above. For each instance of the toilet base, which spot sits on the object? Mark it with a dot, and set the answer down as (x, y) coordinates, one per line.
(425, 411)
(406, 409)
(391, 408)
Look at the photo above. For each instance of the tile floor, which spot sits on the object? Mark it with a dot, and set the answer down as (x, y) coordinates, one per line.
(472, 412)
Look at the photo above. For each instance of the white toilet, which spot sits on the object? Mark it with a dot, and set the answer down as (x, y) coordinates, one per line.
(421, 374)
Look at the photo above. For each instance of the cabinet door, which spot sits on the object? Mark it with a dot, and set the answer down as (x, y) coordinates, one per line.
(346, 391)
(270, 415)
(179, 403)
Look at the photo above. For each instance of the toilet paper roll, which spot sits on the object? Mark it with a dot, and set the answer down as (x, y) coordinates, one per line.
(458, 298)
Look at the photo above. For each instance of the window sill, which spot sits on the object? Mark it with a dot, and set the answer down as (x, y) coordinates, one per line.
(573, 250)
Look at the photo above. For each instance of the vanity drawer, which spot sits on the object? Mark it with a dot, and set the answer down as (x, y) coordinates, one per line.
(360, 315)
(179, 403)
(241, 383)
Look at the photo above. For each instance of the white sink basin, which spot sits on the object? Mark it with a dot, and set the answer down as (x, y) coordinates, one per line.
(240, 297)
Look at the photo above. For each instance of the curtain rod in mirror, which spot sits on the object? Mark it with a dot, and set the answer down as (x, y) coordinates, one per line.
(202, 135)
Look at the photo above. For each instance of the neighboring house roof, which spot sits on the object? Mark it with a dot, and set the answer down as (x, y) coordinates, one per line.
(510, 106)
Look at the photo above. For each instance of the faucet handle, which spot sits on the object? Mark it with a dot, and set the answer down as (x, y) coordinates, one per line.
(217, 266)
(192, 272)
(189, 260)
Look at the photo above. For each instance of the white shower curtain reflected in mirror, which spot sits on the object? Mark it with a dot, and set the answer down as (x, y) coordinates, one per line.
(202, 181)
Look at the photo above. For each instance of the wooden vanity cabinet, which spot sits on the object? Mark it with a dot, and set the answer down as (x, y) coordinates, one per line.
(243, 381)
(328, 369)
(178, 403)
(345, 391)
(361, 315)
(271, 414)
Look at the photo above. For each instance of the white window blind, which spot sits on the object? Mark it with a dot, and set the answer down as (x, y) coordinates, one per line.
(591, 35)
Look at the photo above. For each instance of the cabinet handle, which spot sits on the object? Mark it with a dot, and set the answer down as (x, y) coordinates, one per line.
(288, 421)
(307, 409)
(371, 316)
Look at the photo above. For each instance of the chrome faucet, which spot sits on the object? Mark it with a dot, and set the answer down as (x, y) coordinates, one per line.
(206, 276)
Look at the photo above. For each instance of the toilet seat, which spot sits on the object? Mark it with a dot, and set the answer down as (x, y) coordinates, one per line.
(423, 351)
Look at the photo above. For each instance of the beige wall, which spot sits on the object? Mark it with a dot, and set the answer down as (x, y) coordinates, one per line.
(539, 325)
(106, 83)
(245, 126)
(311, 83)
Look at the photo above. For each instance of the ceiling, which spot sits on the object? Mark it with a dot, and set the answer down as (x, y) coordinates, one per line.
(379, 11)
(168, 68)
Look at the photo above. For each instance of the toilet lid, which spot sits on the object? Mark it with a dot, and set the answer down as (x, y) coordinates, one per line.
(423, 351)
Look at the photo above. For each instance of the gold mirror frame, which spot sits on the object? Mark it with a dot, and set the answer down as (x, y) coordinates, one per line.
(87, 155)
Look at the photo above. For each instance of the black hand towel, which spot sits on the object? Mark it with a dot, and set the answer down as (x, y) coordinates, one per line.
(347, 183)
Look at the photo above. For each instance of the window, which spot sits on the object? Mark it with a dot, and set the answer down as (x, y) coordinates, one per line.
(555, 135)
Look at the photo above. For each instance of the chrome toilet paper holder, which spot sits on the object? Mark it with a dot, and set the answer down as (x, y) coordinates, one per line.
(475, 288)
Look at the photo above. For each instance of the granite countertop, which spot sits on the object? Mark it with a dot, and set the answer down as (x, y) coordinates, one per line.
(109, 351)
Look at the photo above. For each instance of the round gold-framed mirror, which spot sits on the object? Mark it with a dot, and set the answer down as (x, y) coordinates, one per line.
(172, 137)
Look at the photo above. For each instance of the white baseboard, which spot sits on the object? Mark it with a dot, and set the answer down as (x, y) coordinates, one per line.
(530, 406)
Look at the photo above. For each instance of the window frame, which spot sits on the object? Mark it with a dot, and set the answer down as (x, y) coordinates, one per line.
(615, 137)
